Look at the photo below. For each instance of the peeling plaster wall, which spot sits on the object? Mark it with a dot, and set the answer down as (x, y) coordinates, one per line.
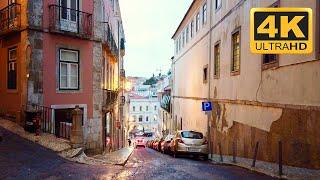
(278, 104)
(258, 117)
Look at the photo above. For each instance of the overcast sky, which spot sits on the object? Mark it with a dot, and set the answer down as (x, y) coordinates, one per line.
(148, 26)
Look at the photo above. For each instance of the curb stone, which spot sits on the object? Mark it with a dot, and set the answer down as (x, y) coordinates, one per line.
(248, 168)
(126, 160)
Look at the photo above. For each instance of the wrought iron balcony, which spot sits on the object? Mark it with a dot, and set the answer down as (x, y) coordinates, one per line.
(122, 47)
(110, 42)
(122, 73)
(10, 19)
(110, 97)
(166, 103)
(70, 22)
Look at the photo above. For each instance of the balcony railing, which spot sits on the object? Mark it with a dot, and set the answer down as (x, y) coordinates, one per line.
(10, 19)
(122, 73)
(166, 103)
(110, 42)
(70, 21)
(110, 97)
(122, 47)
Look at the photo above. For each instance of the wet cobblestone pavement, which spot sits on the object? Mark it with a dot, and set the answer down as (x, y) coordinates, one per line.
(146, 163)
(22, 159)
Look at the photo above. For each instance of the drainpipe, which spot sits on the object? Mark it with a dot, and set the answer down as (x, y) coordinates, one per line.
(209, 73)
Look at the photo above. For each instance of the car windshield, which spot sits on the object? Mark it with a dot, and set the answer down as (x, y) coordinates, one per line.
(191, 135)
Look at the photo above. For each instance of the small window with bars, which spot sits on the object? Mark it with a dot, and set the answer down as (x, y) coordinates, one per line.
(235, 65)
(216, 60)
(205, 74)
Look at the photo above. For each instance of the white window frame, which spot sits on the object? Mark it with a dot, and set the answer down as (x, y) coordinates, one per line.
(218, 4)
(69, 64)
(187, 34)
(204, 13)
(198, 22)
(191, 29)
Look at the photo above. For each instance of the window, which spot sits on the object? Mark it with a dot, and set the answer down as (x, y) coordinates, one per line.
(176, 46)
(191, 28)
(180, 43)
(134, 118)
(235, 65)
(140, 108)
(187, 34)
(147, 108)
(155, 108)
(69, 69)
(12, 69)
(183, 39)
(216, 72)
(140, 118)
(204, 13)
(218, 4)
(198, 22)
(133, 108)
(147, 118)
(269, 61)
(205, 74)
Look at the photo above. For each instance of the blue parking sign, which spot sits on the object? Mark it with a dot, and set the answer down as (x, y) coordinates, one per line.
(207, 106)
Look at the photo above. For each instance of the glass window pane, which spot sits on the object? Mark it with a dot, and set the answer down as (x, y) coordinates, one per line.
(73, 82)
(12, 54)
(69, 55)
(63, 81)
(63, 69)
(74, 69)
(63, 75)
(64, 10)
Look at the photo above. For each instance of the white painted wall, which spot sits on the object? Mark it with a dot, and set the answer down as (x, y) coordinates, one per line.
(287, 84)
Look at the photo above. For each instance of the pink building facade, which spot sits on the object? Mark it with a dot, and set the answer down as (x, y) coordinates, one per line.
(63, 45)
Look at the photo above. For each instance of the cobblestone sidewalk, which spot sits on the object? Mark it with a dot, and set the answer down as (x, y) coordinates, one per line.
(49, 141)
(268, 168)
(64, 149)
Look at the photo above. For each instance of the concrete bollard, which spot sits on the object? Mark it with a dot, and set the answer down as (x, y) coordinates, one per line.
(76, 136)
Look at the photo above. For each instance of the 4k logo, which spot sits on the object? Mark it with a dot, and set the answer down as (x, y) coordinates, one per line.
(281, 30)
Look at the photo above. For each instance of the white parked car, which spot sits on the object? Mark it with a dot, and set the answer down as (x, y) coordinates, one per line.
(140, 141)
(189, 142)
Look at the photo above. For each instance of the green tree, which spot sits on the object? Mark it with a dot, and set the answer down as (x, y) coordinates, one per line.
(150, 81)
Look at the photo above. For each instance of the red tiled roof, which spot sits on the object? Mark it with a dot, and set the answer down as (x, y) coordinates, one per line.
(136, 96)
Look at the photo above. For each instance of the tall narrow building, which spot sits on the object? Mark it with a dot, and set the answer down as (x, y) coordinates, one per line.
(52, 57)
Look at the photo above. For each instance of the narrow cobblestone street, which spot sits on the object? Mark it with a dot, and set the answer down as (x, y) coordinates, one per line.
(22, 159)
(146, 163)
